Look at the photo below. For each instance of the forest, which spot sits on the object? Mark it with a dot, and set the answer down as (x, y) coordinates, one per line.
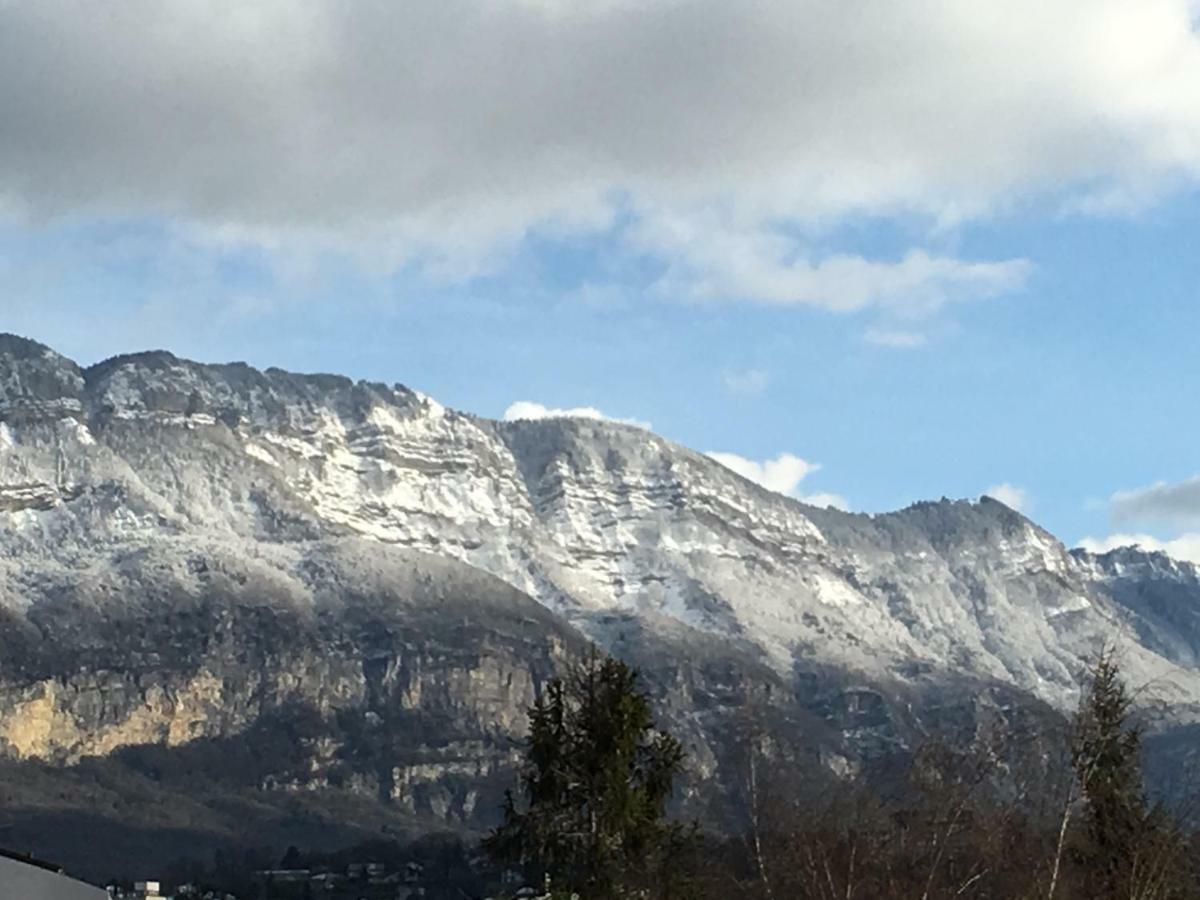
(1070, 819)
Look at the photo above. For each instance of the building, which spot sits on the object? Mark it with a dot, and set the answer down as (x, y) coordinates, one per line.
(33, 879)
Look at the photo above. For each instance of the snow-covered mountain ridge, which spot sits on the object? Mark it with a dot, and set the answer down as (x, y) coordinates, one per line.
(148, 483)
(584, 516)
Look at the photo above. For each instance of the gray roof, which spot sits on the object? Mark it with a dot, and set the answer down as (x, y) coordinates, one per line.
(30, 882)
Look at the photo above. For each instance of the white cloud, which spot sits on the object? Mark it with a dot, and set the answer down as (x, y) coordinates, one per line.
(1010, 495)
(732, 135)
(526, 409)
(782, 474)
(746, 381)
(243, 308)
(894, 338)
(709, 259)
(1185, 546)
(837, 501)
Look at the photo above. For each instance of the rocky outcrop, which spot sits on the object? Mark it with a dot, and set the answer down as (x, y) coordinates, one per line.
(348, 590)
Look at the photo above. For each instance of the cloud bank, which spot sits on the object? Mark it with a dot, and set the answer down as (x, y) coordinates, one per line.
(721, 141)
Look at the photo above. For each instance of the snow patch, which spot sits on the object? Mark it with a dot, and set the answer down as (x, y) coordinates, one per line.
(254, 451)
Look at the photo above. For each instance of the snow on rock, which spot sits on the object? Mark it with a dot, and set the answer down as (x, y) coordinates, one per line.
(593, 519)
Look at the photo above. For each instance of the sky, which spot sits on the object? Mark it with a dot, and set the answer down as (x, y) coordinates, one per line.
(864, 252)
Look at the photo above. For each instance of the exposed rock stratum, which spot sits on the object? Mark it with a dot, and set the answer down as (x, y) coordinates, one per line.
(238, 599)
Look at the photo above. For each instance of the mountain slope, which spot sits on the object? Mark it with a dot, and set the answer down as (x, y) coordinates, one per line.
(187, 551)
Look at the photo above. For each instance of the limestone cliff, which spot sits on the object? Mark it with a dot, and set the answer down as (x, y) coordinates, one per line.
(305, 590)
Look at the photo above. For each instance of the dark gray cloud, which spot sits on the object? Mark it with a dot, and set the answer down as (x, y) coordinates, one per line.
(435, 127)
(1176, 504)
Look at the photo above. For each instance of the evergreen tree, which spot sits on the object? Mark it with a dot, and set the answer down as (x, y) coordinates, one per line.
(1107, 766)
(594, 787)
(1129, 848)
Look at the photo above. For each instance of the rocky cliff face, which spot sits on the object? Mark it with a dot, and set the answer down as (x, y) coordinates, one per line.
(356, 592)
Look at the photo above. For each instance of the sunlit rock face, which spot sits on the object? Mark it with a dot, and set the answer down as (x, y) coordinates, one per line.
(195, 554)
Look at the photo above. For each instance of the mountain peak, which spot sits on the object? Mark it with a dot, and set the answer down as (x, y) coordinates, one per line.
(35, 381)
(154, 359)
(19, 347)
(581, 514)
(179, 519)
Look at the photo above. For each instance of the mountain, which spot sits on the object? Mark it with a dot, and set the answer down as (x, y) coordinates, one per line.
(316, 608)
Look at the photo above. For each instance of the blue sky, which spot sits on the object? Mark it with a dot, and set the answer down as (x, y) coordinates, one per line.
(868, 254)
